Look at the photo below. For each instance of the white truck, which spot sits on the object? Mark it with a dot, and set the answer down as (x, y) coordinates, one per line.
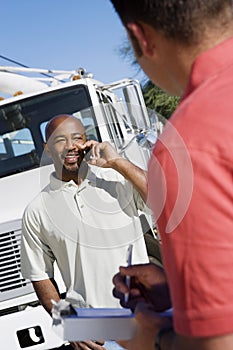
(115, 112)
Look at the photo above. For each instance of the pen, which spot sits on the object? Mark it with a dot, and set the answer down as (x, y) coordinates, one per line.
(127, 279)
(167, 313)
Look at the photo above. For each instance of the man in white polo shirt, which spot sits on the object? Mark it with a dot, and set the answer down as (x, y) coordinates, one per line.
(84, 219)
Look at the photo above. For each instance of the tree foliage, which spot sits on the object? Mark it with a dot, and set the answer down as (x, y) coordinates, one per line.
(157, 99)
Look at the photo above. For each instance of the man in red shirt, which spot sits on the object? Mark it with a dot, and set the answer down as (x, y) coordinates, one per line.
(186, 48)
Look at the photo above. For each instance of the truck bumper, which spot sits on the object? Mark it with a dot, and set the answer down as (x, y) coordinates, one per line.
(28, 329)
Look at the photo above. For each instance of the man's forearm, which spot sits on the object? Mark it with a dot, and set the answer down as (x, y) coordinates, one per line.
(136, 175)
(172, 341)
(46, 290)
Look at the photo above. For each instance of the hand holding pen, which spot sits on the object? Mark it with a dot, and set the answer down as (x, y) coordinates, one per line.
(147, 283)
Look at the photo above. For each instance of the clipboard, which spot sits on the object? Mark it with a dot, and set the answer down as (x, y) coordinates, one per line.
(80, 324)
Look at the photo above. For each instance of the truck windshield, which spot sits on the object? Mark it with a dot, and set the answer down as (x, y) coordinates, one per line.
(22, 125)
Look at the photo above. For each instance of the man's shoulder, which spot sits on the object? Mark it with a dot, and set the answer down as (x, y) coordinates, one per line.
(37, 201)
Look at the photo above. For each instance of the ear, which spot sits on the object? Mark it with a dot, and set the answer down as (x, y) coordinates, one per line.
(142, 34)
(46, 148)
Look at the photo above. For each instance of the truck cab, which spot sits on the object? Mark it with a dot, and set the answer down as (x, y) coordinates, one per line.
(113, 112)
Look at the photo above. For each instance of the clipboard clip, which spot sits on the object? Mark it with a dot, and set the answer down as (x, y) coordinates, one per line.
(61, 309)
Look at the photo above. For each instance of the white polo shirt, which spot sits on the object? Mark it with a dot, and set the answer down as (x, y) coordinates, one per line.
(87, 229)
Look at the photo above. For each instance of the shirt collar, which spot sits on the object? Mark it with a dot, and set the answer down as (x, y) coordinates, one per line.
(209, 63)
(57, 184)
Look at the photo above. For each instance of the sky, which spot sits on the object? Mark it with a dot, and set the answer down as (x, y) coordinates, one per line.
(66, 35)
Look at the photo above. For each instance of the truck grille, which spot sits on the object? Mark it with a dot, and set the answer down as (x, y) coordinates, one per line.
(12, 284)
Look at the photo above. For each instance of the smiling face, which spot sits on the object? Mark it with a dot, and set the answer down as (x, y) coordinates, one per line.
(65, 134)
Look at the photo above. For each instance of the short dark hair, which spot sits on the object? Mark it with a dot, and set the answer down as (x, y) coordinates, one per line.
(181, 20)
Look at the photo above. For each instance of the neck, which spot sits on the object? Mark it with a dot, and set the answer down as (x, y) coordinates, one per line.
(77, 176)
(181, 58)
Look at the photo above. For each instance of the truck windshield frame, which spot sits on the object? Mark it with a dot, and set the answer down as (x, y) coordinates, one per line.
(22, 125)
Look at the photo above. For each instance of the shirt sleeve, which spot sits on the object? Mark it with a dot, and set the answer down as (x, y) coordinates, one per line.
(140, 204)
(36, 257)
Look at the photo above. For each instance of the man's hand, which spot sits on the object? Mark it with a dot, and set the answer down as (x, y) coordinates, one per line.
(101, 154)
(88, 345)
(148, 284)
(148, 325)
(104, 155)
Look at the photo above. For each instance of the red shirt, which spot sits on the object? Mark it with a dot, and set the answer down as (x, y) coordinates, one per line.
(191, 194)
